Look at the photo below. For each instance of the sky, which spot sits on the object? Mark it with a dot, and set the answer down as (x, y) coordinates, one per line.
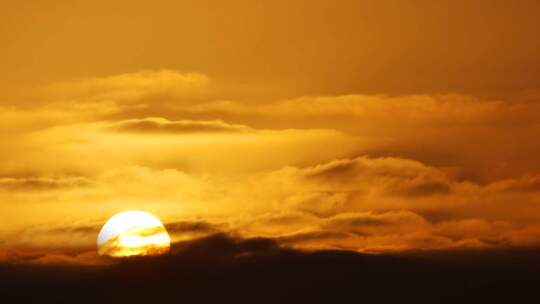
(368, 126)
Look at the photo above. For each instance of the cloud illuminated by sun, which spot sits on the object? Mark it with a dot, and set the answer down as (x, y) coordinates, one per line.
(133, 233)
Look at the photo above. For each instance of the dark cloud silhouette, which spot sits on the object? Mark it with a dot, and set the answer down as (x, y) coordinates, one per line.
(224, 268)
(375, 220)
(193, 227)
(158, 125)
(426, 188)
(80, 228)
(312, 236)
(41, 183)
(81, 256)
(224, 246)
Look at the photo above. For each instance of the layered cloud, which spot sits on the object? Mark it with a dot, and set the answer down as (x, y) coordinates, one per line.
(356, 172)
(362, 204)
(132, 87)
(162, 125)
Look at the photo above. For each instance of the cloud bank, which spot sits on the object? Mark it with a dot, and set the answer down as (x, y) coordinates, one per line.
(369, 173)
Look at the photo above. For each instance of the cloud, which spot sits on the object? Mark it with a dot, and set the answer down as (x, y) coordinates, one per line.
(406, 126)
(317, 236)
(67, 235)
(75, 228)
(114, 247)
(357, 184)
(51, 256)
(132, 87)
(157, 125)
(194, 228)
(41, 183)
(247, 266)
(90, 258)
(356, 172)
(528, 183)
(405, 110)
(361, 204)
(400, 176)
(227, 246)
(186, 147)
(492, 233)
(213, 246)
(396, 231)
(368, 223)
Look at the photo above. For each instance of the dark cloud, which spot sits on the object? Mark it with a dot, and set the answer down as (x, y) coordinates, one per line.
(224, 268)
(364, 224)
(222, 245)
(425, 188)
(367, 220)
(80, 228)
(438, 216)
(530, 183)
(42, 183)
(204, 227)
(393, 175)
(163, 126)
(310, 236)
(82, 256)
(85, 259)
(325, 204)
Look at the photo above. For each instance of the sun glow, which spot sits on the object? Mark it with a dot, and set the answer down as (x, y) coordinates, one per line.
(133, 233)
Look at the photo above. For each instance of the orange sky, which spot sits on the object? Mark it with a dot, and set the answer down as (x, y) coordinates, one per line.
(362, 125)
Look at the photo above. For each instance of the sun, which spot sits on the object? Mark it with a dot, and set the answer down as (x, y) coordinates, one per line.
(133, 233)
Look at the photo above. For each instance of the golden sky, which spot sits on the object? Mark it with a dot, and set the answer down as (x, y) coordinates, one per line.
(361, 125)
